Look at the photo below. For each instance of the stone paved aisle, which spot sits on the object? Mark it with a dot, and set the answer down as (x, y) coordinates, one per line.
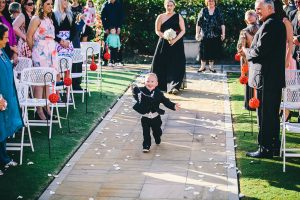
(194, 161)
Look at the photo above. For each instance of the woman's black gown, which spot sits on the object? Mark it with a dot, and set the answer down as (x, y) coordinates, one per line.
(169, 61)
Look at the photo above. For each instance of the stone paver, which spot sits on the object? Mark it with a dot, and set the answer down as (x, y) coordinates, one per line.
(196, 159)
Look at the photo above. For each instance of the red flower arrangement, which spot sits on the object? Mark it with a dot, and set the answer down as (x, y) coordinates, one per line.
(254, 102)
(237, 57)
(67, 79)
(93, 66)
(243, 79)
(245, 68)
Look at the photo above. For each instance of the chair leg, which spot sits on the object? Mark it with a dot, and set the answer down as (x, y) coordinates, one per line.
(50, 125)
(72, 94)
(21, 147)
(30, 138)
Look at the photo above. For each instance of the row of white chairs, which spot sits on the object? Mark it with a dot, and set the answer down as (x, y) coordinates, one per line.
(39, 76)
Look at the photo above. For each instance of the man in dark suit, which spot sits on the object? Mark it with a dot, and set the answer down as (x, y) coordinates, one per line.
(266, 58)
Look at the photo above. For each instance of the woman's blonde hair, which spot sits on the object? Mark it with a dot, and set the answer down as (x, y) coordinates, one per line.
(167, 1)
(206, 2)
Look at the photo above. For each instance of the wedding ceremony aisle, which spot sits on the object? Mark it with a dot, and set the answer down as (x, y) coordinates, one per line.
(195, 160)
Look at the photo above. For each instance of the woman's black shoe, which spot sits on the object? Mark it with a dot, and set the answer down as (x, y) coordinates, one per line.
(289, 117)
(212, 70)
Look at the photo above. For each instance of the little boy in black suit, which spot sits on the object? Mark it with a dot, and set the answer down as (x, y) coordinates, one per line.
(148, 100)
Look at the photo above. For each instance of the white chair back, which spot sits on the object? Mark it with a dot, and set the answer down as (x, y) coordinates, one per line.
(23, 63)
(38, 76)
(77, 56)
(64, 64)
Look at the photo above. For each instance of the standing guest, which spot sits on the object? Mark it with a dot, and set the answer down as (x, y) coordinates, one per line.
(10, 116)
(267, 60)
(169, 59)
(14, 9)
(148, 100)
(21, 26)
(245, 40)
(77, 67)
(11, 48)
(76, 7)
(210, 29)
(288, 7)
(114, 45)
(64, 25)
(112, 15)
(290, 62)
(40, 38)
(90, 13)
(296, 30)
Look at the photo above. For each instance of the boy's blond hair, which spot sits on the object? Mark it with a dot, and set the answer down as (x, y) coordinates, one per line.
(151, 74)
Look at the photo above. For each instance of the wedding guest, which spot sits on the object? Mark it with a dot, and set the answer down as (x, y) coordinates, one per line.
(40, 38)
(148, 100)
(64, 25)
(288, 7)
(11, 49)
(267, 60)
(210, 29)
(112, 15)
(20, 26)
(14, 9)
(245, 40)
(169, 58)
(10, 116)
(114, 45)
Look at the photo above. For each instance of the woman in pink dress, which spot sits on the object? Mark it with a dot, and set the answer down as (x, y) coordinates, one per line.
(40, 39)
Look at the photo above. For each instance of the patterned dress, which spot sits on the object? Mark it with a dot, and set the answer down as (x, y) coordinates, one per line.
(44, 52)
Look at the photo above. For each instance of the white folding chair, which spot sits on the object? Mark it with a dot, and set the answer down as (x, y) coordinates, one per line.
(291, 101)
(78, 58)
(89, 49)
(65, 66)
(40, 76)
(22, 91)
(23, 63)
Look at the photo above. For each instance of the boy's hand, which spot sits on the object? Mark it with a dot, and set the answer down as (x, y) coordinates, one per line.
(177, 106)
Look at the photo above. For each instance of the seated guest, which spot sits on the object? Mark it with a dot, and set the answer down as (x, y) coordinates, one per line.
(10, 119)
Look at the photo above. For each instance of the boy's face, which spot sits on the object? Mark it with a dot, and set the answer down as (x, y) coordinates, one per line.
(151, 82)
(250, 19)
(113, 31)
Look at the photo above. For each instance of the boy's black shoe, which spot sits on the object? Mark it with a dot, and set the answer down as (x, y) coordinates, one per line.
(146, 149)
(260, 154)
(158, 141)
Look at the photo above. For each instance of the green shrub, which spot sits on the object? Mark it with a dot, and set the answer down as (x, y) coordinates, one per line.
(138, 32)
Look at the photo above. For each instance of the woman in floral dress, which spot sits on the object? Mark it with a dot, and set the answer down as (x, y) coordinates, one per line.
(40, 39)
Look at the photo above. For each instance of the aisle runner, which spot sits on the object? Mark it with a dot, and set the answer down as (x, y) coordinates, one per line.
(195, 160)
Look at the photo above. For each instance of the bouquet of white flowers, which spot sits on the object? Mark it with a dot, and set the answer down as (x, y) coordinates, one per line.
(169, 34)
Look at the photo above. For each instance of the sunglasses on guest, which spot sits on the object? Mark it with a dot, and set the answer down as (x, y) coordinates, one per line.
(30, 4)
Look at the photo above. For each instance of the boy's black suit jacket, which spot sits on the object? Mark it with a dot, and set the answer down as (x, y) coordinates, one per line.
(149, 101)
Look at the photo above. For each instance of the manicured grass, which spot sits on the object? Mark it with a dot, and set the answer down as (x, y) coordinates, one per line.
(261, 178)
(29, 181)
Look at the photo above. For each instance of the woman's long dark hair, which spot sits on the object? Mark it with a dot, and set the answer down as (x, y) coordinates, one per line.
(278, 7)
(6, 14)
(27, 19)
(3, 29)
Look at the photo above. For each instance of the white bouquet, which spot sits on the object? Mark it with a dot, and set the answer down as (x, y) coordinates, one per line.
(169, 34)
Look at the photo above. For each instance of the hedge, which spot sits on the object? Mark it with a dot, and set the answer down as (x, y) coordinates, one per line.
(138, 32)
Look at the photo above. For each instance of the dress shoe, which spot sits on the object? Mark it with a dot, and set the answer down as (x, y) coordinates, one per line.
(212, 70)
(276, 152)
(201, 70)
(260, 154)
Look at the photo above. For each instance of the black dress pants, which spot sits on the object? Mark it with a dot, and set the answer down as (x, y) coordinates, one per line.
(155, 125)
(114, 54)
(268, 118)
(76, 68)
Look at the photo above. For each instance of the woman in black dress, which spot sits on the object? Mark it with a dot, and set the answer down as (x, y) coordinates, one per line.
(210, 29)
(169, 58)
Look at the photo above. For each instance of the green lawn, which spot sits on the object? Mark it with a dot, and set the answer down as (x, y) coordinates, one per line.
(29, 181)
(260, 178)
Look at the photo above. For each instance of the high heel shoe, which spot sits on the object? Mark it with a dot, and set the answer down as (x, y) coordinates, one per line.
(48, 115)
(39, 117)
(288, 117)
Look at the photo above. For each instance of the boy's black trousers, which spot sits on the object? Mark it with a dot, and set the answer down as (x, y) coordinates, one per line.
(155, 125)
